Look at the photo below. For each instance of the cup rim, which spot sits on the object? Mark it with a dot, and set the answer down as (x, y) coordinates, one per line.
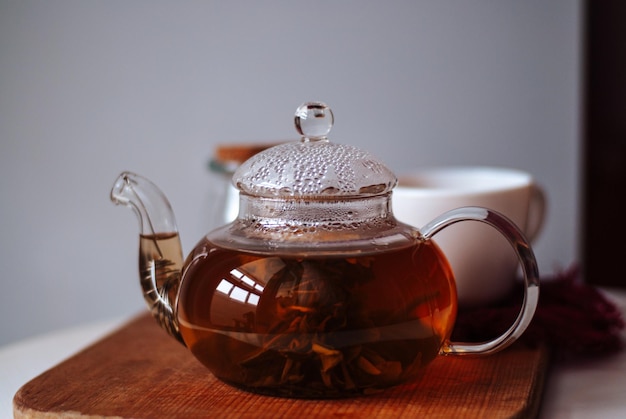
(462, 180)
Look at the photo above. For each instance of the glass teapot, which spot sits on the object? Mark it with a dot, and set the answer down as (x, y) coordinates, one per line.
(315, 290)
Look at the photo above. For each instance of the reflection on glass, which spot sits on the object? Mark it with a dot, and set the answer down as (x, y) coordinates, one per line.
(241, 287)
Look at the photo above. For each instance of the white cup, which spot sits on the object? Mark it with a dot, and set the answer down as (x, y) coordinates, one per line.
(483, 262)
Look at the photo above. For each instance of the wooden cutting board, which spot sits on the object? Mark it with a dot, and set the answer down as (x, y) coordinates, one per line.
(140, 372)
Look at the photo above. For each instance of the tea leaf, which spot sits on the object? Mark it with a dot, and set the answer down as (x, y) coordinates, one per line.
(367, 366)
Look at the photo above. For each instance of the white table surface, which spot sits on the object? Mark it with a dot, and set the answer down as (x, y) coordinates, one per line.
(594, 389)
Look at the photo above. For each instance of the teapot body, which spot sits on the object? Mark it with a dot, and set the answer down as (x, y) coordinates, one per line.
(315, 290)
(316, 324)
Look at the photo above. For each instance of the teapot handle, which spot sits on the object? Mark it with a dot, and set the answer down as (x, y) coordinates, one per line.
(529, 267)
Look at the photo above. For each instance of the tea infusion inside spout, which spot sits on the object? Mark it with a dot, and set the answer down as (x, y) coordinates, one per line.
(160, 251)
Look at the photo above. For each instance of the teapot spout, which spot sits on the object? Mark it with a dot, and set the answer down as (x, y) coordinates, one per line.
(160, 250)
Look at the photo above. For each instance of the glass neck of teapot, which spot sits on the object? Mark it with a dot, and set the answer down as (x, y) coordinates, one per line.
(313, 213)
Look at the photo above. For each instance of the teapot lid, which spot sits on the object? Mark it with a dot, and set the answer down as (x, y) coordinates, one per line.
(313, 167)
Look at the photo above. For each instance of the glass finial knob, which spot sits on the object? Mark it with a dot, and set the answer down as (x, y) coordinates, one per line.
(314, 121)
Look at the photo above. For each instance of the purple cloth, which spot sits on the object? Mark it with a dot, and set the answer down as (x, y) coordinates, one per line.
(573, 319)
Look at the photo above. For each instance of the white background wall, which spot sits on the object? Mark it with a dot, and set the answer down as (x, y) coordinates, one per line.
(91, 88)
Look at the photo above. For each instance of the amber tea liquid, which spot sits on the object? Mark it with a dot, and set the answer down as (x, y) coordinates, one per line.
(317, 327)
(160, 260)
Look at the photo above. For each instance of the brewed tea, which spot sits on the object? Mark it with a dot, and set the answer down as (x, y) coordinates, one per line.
(302, 326)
